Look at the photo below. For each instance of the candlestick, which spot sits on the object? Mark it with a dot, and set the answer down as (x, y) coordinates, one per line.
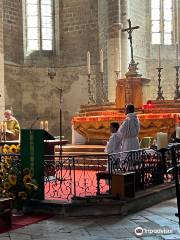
(162, 140)
(88, 63)
(178, 132)
(177, 53)
(41, 125)
(159, 92)
(91, 97)
(177, 92)
(102, 95)
(46, 126)
(101, 60)
(159, 56)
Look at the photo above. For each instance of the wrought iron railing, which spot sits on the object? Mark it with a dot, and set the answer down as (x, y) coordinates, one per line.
(175, 152)
(67, 177)
(151, 167)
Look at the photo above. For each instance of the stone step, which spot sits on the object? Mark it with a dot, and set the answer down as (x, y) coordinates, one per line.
(95, 154)
(81, 148)
(85, 160)
(159, 110)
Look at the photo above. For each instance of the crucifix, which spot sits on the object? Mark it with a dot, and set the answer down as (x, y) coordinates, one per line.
(129, 30)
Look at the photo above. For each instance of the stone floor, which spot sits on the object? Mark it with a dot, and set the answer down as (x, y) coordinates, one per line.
(157, 222)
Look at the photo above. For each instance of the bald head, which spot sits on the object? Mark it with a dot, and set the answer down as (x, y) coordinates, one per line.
(8, 114)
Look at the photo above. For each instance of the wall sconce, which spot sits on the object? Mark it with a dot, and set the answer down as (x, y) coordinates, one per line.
(51, 69)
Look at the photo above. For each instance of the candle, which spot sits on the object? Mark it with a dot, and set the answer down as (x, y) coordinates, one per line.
(101, 60)
(1, 127)
(177, 53)
(162, 140)
(46, 126)
(178, 132)
(5, 127)
(88, 63)
(117, 58)
(159, 56)
(41, 125)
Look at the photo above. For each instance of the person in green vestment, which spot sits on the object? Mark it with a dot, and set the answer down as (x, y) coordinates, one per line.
(12, 126)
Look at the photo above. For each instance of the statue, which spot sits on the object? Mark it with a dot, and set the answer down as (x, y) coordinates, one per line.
(132, 65)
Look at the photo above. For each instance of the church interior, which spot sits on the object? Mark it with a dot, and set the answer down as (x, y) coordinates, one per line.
(68, 69)
(60, 45)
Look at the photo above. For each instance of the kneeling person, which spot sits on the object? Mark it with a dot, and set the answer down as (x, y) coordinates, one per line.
(114, 143)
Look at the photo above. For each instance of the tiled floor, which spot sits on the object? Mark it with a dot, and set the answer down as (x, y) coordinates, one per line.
(158, 222)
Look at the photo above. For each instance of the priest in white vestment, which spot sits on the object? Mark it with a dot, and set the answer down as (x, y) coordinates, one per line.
(129, 130)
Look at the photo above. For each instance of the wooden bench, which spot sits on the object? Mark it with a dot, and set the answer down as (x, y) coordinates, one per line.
(146, 165)
(6, 212)
(121, 185)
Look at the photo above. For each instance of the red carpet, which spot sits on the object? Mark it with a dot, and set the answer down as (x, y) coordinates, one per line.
(27, 219)
(85, 183)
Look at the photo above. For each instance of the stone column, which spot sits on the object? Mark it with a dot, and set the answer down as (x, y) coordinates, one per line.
(2, 97)
(124, 39)
(113, 46)
(114, 60)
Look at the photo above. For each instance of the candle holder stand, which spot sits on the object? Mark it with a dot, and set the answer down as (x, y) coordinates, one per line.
(90, 96)
(159, 91)
(102, 96)
(177, 92)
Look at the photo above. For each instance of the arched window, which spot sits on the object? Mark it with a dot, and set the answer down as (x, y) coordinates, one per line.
(162, 21)
(39, 25)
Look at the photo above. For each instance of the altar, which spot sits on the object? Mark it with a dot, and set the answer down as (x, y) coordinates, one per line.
(95, 129)
(91, 125)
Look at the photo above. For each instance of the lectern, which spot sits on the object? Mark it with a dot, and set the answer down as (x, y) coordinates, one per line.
(32, 154)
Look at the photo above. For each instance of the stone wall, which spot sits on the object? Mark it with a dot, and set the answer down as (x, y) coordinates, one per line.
(38, 96)
(103, 35)
(79, 32)
(80, 25)
(168, 76)
(2, 98)
(147, 54)
(137, 11)
(108, 18)
(29, 91)
(13, 30)
(168, 61)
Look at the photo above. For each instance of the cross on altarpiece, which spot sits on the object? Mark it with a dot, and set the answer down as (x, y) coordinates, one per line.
(129, 30)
